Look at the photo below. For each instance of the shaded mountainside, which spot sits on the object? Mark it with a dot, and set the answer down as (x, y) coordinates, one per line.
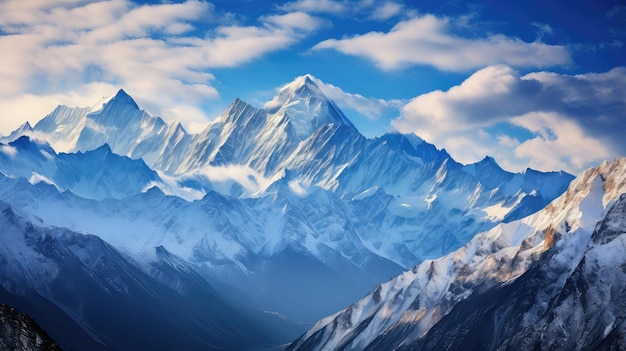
(88, 295)
(19, 332)
(553, 280)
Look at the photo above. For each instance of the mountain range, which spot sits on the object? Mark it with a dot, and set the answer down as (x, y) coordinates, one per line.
(554, 280)
(268, 217)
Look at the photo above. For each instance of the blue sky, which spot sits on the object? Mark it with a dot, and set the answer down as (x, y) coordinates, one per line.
(538, 84)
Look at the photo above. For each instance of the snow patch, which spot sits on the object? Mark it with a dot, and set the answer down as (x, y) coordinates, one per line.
(367, 193)
(37, 178)
(496, 212)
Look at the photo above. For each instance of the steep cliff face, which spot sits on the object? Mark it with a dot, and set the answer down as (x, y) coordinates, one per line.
(19, 332)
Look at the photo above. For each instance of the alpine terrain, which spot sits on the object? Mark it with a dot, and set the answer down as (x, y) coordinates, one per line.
(19, 332)
(554, 280)
(242, 235)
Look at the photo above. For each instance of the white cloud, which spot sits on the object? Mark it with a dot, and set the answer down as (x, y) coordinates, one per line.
(156, 52)
(297, 20)
(507, 141)
(560, 143)
(318, 6)
(387, 10)
(223, 178)
(543, 30)
(372, 108)
(574, 121)
(429, 40)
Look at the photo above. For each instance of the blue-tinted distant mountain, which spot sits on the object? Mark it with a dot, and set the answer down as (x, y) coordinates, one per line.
(115, 301)
(553, 280)
(292, 182)
(95, 174)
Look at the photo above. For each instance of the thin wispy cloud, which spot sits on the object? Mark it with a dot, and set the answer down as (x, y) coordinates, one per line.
(387, 10)
(318, 6)
(430, 41)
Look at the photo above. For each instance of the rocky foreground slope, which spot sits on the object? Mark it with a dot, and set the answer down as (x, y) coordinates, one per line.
(553, 280)
(19, 332)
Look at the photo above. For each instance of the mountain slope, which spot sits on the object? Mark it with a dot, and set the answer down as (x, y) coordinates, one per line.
(19, 332)
(94, 174)
(551, 280)
(293, 182)
(116, 121)
(117, 301)
(243, 243)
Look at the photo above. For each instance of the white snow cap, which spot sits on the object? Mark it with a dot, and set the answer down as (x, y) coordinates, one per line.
(306, 105)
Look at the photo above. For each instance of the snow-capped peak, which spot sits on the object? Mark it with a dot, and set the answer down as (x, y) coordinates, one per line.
(120, 98)
(306, 106)
(24, 129)
(302, 87)
(123, 98)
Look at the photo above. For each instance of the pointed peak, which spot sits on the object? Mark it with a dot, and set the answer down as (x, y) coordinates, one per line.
(304, 80)
(489, 163)
(22, 130)
(488, 159)
(302, 88)
(123, 97)
(105, 148)
(25, 126)
(120, 98)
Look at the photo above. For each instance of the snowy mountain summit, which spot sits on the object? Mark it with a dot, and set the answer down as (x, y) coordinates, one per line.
(262, 197)
(306, 107)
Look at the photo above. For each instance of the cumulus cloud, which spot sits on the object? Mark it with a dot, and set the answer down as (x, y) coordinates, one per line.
(430, 40)
(574, 121)
(155, 51)
(559, 143)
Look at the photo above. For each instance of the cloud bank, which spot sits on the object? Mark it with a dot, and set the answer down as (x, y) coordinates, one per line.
(554, 121)
(157, 52)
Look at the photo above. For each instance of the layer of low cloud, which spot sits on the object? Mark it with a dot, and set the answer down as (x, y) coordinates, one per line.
(156, 52)
(575, 121)
(430, 41)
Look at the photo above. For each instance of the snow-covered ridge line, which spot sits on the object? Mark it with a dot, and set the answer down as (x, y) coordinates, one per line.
(420, 298)
(270, 185)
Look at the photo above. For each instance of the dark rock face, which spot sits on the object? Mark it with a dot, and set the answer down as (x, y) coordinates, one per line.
(19, 332)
